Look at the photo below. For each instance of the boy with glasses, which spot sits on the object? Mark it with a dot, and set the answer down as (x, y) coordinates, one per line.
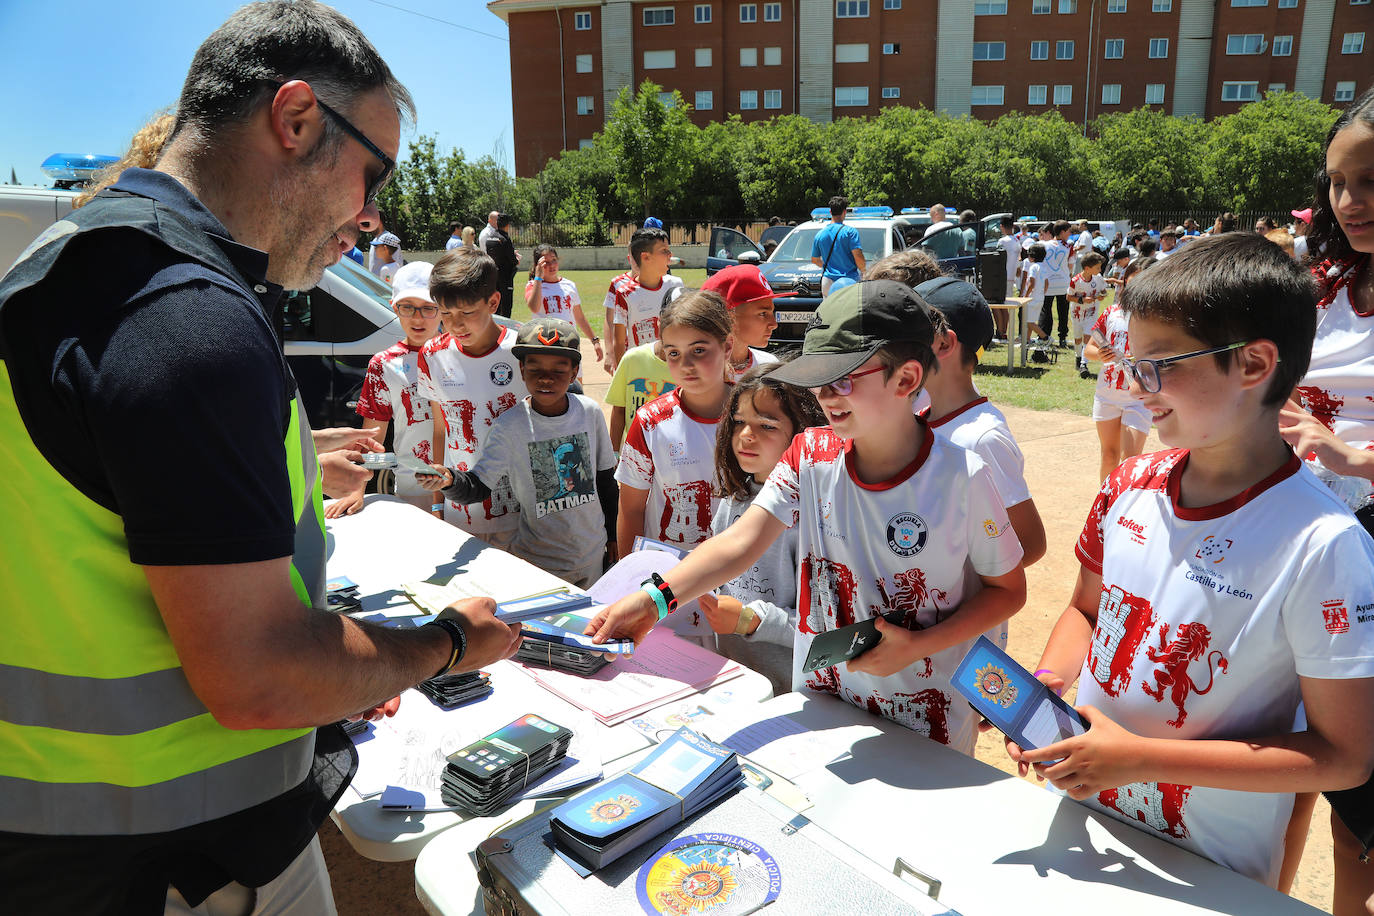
(1221, 583)
(390, 387)
(892, 520)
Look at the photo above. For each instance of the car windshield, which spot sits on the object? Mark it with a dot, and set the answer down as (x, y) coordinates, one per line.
(797, 246)
(357, 276)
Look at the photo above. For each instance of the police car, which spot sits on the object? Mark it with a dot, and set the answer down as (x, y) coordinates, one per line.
(881, 233)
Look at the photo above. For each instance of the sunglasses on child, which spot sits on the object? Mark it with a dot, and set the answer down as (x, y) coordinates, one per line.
(844, 385)
(410, 311)
(1146, 371)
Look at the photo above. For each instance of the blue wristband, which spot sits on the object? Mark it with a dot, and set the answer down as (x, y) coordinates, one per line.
(659, 601)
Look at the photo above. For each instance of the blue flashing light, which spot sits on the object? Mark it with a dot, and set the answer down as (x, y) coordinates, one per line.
(1027, 219)
(75, 166)
(820, 213)
(872, 212)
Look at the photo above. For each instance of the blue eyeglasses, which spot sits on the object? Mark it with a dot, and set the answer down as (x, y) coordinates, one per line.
(1146, 371)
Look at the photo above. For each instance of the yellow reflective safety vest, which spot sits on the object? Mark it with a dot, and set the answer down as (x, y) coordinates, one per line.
(100, 732)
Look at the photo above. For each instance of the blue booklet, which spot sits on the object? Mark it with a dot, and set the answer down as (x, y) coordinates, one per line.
(1020, 707)
(559, 601)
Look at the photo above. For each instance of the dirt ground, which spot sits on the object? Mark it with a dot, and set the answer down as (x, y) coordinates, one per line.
(1061, 469)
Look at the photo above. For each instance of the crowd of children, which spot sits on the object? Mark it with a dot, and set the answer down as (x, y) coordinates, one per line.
(1220, 633)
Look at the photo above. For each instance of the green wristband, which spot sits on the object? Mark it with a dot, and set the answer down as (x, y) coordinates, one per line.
(659, 601)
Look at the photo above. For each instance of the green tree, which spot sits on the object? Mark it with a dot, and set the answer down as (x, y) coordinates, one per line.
(1265, 156)
(425, 194)
(651, 144)
(715, 179)
(1020, 162)
(892, 160)
(1146, 159)
(785, 167)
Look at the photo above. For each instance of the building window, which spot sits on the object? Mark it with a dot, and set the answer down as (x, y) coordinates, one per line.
(582, 21)
(1159, 47)
(1239, 92)
(748, 99)
(892, 47)
(1068, 6)
(851, 54)
(1040, 50)
(659, 15)
(1063, 50)
(772, 98)
(748, 57)
(987, 95)
(702, 13)
(1352, 43)
(1244, 44)
(1162, 6)
(1040, 7)
(705, 100)
(667, 99)
(1249, 2)
(851, 9)
(772, 12)
(585, 144)
(1277, 87)
(1111, 93)
(989, 50)
(892, 92)
(584, 63)
(1283, 46)
(660, 60)
(586, 104)
(892, 4)
(1063, 94)
(993, 8)
(1036, 94)
(748, 12)
(1154, 93)
(772, 57)
(1293, 4)
(1345, 91)
(1115, 49)
(851, 96)
(703, 57)
(1116, 6)
(1352, 3)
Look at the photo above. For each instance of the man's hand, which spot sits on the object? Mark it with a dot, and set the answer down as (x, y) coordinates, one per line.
(346, 437)
(633, 616)
(489, 640)
(344, 505)
(342, 473)
(898, 648)
(441, 478)
(1103, 757)
(1308, 435)
(387, 710)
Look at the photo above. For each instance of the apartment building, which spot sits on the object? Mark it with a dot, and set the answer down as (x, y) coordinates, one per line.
(827, 59)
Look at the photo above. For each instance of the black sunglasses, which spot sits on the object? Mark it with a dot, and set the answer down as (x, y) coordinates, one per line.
(374, 186)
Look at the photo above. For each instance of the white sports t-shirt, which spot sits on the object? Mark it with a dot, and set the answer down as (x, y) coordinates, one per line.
(917, 543)
(671, 452)
(636, 306)
(1057, 268)
(1110, 328)
(1082, 244)
(1035, 272)
(1012, 246)
(390, 393)
(1339, 386)
(1206, 620)
(558, 298)
(982, 429)
(471, 392)
(756, 358)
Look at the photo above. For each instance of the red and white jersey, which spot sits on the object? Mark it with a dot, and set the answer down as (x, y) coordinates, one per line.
(671, 452)
(1339, 386)
(917, 543)
(558, 298)
(637, 306)
(1206, 620)
(1093, 289)
(471, 392)
(390, 393)
(1110, 328)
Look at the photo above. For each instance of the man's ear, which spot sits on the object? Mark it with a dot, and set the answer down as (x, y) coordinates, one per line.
(295, 118)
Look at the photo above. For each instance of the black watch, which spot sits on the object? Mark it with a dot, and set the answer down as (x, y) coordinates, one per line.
(458, 638)
(664, 590)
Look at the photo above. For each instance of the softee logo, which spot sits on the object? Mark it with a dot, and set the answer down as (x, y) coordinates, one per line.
(1130, 525)
(906, 534)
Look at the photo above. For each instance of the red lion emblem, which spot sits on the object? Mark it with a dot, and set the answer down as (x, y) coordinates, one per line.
(1188, 646)
(912, 594)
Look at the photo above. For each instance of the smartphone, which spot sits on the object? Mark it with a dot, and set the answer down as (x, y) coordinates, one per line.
(835, 647)
(505, 753)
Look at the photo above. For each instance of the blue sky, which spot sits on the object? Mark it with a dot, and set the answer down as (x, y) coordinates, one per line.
(83, 75)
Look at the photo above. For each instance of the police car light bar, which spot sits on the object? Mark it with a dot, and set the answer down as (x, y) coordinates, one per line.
(821, 213)
(75, 166)
(872, 212)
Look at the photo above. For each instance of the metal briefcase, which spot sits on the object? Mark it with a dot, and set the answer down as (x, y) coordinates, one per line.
(814, 871)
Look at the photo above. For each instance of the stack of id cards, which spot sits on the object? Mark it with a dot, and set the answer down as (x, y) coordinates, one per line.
(450, 690)
(341, 594)
(1021, 707)
(390, 461)
(483, 776)
(557, 642)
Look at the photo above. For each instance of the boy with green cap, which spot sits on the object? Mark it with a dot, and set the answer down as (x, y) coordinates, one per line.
(891, 518)
(557, 453)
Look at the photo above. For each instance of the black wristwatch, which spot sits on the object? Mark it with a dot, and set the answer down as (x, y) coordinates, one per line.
(668, 597)
(458, 638)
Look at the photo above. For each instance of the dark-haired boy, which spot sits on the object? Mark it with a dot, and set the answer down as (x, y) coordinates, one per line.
(634, 299)
(469, 375)
(1058, 268)
(1221, 583)
(1086, 291)
(554, 450)
(890, 518)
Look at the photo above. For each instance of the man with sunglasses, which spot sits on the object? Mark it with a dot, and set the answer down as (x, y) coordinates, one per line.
(170, 674)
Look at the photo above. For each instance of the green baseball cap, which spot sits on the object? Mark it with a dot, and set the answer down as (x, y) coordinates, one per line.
(545, 334)
(851, 325)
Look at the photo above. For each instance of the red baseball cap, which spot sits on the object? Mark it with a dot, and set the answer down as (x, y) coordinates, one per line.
(742, 283)
(1305, 214)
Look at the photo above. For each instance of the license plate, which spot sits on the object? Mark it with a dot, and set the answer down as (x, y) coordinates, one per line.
(792, 317)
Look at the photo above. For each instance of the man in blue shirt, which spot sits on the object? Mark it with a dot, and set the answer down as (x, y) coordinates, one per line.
(836, 249)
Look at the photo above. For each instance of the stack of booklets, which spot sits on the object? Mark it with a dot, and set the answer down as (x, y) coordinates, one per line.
(680, 777)
(342, 596)
(452, 690)
(486, 774)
